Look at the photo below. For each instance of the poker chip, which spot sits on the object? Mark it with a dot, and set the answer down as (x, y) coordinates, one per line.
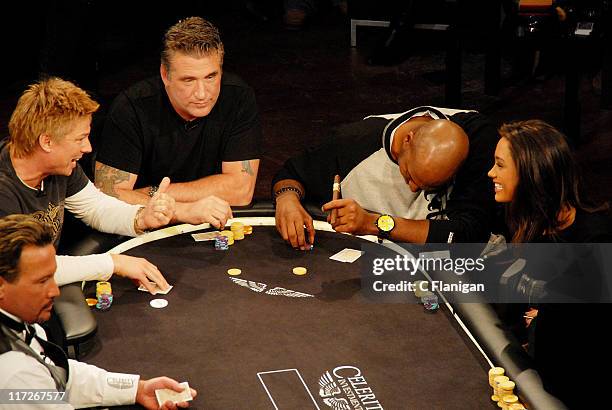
(234, 271)
(102, 288)
(496, 381)
(430, 302)
(91, 301)
(104, 302)
(238, 230)
(221, 243)
(229, 235)
(505, 388)
(158, 303)
(499, 379)
(510, 399)
(299, 270)
(248, 229)
(494, 372)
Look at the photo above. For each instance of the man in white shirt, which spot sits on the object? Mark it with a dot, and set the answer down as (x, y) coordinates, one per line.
(39, 175)
(27, 359)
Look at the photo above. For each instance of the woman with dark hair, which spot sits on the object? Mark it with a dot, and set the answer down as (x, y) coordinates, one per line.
(536, 176)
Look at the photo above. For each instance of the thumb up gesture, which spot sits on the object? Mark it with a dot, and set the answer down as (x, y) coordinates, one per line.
(159, 211)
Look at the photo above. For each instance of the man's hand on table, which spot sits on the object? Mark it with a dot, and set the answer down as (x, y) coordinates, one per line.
(140, 270)
(209, 209)
(291, 218)
(145, 395)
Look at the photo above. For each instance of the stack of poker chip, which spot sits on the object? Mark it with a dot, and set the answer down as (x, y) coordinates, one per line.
(248, 229)
(493, 373)
(229, 235)
(496, 381)
(221, 243)
(505, 389)
(238, 230)
(430, 301)
(104, 295)
(427, 298)
(508, 401)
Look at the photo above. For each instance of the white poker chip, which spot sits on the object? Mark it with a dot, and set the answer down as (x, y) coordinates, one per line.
(158, 303)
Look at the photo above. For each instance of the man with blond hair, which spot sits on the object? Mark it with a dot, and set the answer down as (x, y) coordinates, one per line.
(39, 175)
(27, 359)
(193, 123)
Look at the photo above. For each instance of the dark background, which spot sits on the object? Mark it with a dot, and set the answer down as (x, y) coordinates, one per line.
(309, 80)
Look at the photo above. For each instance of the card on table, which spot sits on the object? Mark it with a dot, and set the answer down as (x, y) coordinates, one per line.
(205, 236)
(156, 289)
(163, 395)
(347, 255)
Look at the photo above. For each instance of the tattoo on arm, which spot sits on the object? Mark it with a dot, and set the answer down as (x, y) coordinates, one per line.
(246, 167)
(107, 177)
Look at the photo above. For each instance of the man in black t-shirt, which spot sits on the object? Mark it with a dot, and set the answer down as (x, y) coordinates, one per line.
(194, 125)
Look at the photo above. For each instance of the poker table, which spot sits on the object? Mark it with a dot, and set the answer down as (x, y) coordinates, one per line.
(271, 339)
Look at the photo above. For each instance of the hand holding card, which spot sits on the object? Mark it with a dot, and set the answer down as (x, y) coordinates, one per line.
(156, 289)
(164, 395)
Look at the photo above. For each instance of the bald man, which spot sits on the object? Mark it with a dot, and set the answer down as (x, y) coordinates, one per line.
(425, 169)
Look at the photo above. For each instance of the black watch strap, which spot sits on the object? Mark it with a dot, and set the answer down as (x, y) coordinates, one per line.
(384, 234)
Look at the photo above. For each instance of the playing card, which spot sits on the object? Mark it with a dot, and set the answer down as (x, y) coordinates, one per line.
(163, 395)
(346, 255)
(156, 290)
(205, 236)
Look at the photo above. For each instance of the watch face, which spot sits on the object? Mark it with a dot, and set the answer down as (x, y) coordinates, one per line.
(385, 223)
